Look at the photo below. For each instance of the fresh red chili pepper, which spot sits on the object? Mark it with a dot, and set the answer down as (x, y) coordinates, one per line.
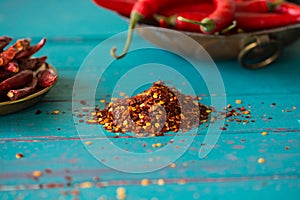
(220, 18)
(17, 81)
(47, 78)
(26, 53)
(259, 21)
(181, 25)
(288, 8)
(259, 6)
(122, 7)
(19, 93)
(4, 40)
(205, 6)
(144, 9)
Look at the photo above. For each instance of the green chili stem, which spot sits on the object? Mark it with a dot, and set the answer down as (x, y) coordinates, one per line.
(207, 24)
(134, 18)
(190, 21)
(272, 5)
(230, 27)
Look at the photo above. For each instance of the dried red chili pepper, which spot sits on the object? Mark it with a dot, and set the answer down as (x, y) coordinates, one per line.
(4, 74)
(259, 21)
(17, 81)
(288, 8)
(47, 78)
(26, 53)
(122, 7)
(141, 10)
(32, 63)
(4, 41)
(19, 93)
(12, 67)
(259, 6)
(10, 53)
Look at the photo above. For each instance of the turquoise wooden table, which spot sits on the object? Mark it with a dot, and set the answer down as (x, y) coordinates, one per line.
(64, 157)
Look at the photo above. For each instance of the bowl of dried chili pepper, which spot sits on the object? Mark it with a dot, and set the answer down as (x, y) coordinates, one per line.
(24, 80)
(253, 32)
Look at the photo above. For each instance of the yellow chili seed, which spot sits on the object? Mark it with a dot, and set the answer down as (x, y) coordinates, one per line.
(238, 101)
(160, 182)
(264, 133)
(145, 182)
(37, 173)
(261, 160)
(19, 155)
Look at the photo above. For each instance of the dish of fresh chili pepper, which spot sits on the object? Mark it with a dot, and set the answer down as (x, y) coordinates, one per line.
(23, 80)
(225, 28)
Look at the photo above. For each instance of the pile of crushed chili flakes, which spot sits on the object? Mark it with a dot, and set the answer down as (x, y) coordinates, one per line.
(153, 112)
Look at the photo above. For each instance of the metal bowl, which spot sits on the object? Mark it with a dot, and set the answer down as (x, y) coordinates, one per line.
(252, 50)
(8, 107)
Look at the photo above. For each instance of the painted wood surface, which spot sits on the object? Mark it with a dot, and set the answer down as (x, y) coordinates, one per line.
(51, 144)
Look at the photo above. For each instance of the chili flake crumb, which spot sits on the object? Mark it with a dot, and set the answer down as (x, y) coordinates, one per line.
(48, 171)
(75, 192)
(287, 148)
(37, 173)
(19, 155)
(261, 160)
(121, 193)
(238, 101)
(181, 181)
(264, 133)
(145, 182)
(37, 112)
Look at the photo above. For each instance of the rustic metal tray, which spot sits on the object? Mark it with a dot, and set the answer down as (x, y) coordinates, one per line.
(252, 50)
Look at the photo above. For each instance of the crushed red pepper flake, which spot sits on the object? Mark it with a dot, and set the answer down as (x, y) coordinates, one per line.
(153, 112)
(19, 155)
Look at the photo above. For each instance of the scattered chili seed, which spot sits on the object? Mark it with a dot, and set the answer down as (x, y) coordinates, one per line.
(294, 108)
(86, 185)
(172, 165)
(55, 112)
(19, 155)
(160, 182)
(145, 182)
(88, 143)
(264, 133)
(261, 160)
(238, 101)
(37, 174)
(121, 193)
